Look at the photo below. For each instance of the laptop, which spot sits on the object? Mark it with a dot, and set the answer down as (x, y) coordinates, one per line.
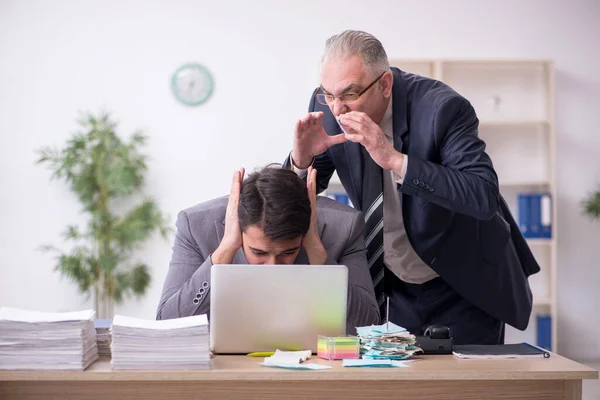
(255, 308)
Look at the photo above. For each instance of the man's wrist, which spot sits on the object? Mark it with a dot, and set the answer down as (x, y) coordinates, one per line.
(398, 165)
(317, 254)
(298, 163)
(223, 254)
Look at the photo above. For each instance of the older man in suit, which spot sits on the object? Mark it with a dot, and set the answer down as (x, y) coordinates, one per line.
(272, 217)
(441, 241)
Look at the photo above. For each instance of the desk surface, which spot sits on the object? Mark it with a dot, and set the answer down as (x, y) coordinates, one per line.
(243, 368)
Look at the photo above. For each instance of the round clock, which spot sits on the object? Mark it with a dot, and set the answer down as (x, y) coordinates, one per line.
(192, 84)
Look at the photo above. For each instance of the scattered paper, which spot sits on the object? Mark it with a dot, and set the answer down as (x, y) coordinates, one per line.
(292, 360)
(288, 357)
(307, 366)
(373, 363)
(387, 341)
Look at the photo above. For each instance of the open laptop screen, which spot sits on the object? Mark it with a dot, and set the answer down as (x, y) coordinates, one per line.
(268, 307)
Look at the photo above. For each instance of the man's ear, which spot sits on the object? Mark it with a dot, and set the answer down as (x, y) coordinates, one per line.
(387, 81)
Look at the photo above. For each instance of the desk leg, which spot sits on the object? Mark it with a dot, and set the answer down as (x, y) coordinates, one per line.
(573, 390)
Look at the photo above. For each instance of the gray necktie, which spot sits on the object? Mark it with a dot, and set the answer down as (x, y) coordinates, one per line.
(372, 207)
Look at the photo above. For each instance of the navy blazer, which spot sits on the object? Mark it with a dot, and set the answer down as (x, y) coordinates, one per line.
(455, 218)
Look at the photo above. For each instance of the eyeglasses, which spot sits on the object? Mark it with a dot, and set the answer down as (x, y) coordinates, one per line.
(328, 99)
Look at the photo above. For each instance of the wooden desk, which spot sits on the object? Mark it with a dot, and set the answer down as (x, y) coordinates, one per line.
(432, 377)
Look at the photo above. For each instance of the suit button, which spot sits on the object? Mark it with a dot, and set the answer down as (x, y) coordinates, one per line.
(196, 301)
(421, 184)
(426, 187)
(416, 181)
(431, 189)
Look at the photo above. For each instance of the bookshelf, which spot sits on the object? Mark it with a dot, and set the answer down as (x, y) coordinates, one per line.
(514, 101)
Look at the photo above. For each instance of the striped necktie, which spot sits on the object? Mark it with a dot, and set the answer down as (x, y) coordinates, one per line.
(372, 207)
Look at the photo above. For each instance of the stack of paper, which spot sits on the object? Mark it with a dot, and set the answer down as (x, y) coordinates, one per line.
(181, 343)
(388, 341)
(103, 336)
(42, 340)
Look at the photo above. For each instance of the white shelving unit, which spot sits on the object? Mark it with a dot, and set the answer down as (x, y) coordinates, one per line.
(514, 101)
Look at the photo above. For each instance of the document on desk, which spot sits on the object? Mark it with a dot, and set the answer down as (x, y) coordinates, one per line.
(35, 340)
(292, 360)
(373, 363)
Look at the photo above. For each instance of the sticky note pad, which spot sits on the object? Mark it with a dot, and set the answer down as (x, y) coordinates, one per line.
(338, 347)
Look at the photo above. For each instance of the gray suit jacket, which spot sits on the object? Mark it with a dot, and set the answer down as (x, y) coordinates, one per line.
(200, 230)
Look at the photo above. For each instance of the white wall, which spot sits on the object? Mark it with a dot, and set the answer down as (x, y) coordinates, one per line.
(60, 57)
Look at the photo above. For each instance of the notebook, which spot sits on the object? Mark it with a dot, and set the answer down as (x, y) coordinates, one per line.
(497, 351)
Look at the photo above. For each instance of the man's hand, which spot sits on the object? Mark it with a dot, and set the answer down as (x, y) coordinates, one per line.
(310, 139)
(232, 238)
(317, 255)
(361, 129)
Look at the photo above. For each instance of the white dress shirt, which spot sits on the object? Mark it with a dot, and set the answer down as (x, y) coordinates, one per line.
(398, 254)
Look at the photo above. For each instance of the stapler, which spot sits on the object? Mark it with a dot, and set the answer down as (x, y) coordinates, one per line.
(436, 340)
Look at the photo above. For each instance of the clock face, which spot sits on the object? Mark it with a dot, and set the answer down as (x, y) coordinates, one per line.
(192, 84)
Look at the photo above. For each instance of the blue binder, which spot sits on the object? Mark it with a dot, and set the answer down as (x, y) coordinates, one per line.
(546, 215)
(535, 215)
(544, 332)
(342, 198)
(523, 205)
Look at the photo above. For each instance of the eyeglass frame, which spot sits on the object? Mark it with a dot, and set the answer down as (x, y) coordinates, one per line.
(333, 97)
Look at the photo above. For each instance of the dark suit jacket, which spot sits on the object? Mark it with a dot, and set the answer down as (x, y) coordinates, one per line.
(455, 218)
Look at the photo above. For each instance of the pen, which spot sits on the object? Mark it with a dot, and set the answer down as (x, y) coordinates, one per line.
(544, 352)
(261, 354)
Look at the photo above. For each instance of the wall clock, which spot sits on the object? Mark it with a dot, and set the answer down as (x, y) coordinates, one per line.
(192, 84)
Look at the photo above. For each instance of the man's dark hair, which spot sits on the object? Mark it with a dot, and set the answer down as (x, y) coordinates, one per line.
(275, 200)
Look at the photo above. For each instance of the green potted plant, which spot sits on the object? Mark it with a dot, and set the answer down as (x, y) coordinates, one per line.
(591, 205)
(101, 168)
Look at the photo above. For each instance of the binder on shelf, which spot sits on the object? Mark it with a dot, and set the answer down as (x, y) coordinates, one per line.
(524, 214)
(341, 197)
(544, 332)
(535, 213)
(546, 216)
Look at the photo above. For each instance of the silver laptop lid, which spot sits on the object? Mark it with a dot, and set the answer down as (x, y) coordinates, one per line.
(269, 307)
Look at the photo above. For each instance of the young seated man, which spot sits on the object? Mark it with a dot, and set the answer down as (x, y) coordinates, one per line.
(272, 217)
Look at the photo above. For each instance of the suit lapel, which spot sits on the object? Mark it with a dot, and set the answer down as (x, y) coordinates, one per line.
(400, 109)
(239, 257)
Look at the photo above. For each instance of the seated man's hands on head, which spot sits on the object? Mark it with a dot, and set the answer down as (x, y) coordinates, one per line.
(311, 242)
(232, 238)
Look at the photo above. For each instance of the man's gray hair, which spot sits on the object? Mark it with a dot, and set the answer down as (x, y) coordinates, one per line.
(358, 43)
